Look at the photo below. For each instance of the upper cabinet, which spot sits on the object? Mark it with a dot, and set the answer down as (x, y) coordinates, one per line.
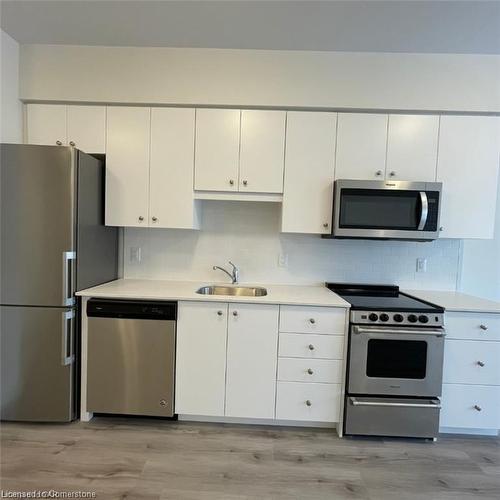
(217, 149)
(127, 166)
(412, 146)
(262, 151)
(361, 146)
(55, 124)
(309, 172)
(468, 164)
(239, 150)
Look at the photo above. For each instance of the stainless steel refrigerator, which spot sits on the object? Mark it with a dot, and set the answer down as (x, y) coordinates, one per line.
(53, 243)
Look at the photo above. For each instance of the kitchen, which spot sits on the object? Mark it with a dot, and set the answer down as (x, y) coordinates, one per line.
(234, 183)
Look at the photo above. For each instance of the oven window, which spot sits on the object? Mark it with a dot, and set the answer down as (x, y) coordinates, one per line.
(379, 209)
(396, 359)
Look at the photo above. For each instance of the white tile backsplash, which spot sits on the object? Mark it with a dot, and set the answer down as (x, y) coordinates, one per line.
(248, 234)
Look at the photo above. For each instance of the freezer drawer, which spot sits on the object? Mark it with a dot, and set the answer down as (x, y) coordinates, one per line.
(375, 416)
(131, 366)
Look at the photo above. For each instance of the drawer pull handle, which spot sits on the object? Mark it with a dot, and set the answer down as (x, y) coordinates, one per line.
(311, 347)
(231, 182)
(219, 313)
(483, 327)
(312, 321)
(480, 363)
(477, 408)
(308, 403)
(235, 313)
(309, 370)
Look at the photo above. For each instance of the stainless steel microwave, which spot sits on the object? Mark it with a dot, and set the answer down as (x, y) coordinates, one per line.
(398, 210)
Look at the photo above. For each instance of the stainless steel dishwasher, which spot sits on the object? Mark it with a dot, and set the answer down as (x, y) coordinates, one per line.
(131, 357)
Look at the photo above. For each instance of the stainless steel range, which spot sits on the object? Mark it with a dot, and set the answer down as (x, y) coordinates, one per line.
(395, 362)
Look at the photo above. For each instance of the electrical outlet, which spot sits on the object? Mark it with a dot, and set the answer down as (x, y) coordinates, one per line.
(421, 265)
(135, 254)
(283, 260)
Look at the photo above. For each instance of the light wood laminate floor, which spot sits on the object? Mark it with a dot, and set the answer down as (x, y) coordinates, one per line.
(141, 458)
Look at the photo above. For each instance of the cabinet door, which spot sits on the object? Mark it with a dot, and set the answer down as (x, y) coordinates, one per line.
(262, 153)
(309, 172)
(412, 143)
(87, 128)
(201, 358)
(217, 149)
(468, 163)
(171, 202)
(252, 351)
(127, 166)
(361, 146)
(46, 124)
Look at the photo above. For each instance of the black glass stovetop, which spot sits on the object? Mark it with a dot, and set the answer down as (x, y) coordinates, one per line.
(380, 298)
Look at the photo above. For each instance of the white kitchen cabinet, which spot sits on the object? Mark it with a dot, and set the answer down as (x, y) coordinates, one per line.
(46, 124)
(217, 149)
(76, 125)
(201, 358)
(328, 371)
(127, 166)
(412, 146)
(468, 163)
(252, 346)
(306, 319)
(361, 146)
(305, 345)
(171, 202)
(309, 172)
(87, 128)
(262, 151)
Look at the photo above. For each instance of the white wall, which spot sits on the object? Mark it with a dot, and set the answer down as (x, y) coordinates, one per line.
(10, 105)
(447, 82)
(248, 234)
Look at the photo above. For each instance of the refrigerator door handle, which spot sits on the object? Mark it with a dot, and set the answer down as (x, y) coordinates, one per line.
(67, 274)
(67, 345)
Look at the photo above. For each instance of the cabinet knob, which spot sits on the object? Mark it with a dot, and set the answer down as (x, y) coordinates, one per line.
(378, 173)
(311, 347)
(72, 143)
(235, 313)
(59, 143)
(141, 218)
(325, 224)
(245, 182)
(154, 219)
(483, 327)
(219, 313)
(309, 370)
(312, 321)
(392, 174)
(231, 182)
(480, 363)
(477, 408)
(308, 403)
(441, 228)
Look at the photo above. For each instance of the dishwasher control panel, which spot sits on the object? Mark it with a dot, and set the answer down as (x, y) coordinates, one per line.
(131, 309)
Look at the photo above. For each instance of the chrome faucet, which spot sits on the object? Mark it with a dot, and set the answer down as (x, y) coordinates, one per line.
(234, 275)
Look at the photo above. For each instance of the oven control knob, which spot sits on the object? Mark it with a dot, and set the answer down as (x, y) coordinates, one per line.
(412, 318)
(423, 319)
(384, 317)
(398, 318)
(373, 317)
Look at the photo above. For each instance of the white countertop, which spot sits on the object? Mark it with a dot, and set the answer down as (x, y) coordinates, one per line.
(315, 295)
(456, 301)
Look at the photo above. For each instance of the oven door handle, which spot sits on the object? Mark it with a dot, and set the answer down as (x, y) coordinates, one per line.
(436, 332)
(424, 212)
(358, 402)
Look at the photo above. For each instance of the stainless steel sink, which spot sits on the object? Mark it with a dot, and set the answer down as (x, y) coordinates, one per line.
(242, 291)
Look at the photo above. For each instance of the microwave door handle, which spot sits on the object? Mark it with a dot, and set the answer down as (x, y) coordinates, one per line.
(424, 202)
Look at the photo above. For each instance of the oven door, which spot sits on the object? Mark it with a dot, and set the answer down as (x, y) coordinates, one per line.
(396, 361)
(378, 209)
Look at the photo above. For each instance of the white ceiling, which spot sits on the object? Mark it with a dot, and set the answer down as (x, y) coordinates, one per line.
(374, 26)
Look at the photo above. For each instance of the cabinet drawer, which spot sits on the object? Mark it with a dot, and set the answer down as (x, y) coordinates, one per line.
(471, 362)
(470, 406)
(312, 320)
(293, 397)
(472, 326)
(299, 345)
(310, 370)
